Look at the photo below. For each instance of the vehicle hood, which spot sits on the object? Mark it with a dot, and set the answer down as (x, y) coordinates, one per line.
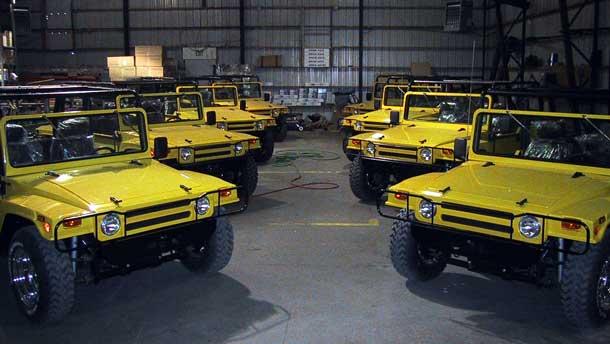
(368, 105)
(91, 188)
(235, 114)
(190, 136)
(414, 134)
(502, 186)
(259, 105)
(377, 116)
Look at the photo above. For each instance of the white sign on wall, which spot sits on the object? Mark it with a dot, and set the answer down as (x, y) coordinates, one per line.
(316, 57)
(199, 53)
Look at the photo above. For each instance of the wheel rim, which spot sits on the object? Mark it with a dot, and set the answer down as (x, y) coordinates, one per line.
(24, 279)
(603, 289)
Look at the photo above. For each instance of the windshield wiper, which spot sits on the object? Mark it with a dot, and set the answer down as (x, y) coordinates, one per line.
(599, 131)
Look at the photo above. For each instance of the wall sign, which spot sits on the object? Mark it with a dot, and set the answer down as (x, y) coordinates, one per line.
(316, 57)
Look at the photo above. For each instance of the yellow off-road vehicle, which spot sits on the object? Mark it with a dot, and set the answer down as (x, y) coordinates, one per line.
(230, 115)
(250, 89)
(373, 99)
(531, 203)
(423, 142)
(81, 199)
(194, 141)
(391, 100)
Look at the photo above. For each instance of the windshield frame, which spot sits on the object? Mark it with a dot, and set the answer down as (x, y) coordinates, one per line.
(237, 84)
(11, 170)
(143, 96)
(189, 89)
(477, 155)
(384, 95)
(443, 94)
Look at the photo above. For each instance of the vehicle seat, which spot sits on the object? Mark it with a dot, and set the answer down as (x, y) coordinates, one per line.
(452, 114)
(153, 114)
(72, 139)
(22, 150)
(550, 143)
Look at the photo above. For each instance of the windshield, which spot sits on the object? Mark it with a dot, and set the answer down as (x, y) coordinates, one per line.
(536, 137)
(166, 108)
(444, 108)
(249, 90)
(394, 95)
(46, 140)
(219, 96)
(55, 104)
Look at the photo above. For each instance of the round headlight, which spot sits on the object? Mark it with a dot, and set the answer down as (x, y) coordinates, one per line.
(111, 224)
(425, 154)
(427, 209)
(356, 111)
(186, 154)
(259, 125)
(370, 147)
(238, 147)
(221, 126)
(202, 205)
(275, 112)
(358, 125)
(529, 226)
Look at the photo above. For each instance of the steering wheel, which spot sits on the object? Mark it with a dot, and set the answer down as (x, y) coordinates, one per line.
(173, 118)
(111, 150)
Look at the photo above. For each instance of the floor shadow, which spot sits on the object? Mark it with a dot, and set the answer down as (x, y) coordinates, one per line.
(163, 305)
(514, 311)
(264, 202)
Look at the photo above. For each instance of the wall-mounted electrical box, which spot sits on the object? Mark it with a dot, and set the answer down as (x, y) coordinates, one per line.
(458, 15)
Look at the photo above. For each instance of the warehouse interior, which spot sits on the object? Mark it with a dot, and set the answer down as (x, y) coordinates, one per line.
(395, 171)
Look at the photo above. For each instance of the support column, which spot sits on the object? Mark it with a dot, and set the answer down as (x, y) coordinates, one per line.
(360, 47)
(242, 32)
(126, 28)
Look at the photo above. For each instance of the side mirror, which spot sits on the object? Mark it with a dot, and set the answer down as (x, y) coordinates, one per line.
(369, 96)
(160, 149)
(242, 104)
(377, 104)
(210, 118)
(394, 117)
(267, 97)
(460, 148)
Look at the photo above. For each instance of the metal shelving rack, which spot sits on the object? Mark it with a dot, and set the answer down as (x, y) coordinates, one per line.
(8, 43)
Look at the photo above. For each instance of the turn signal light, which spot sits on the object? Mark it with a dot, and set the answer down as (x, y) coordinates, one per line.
(401, 196)
(73, 223)
(47, 227)
(253, 141)
(348, 121)
(570, 225)
(447, 152)
(225, 193)
(356, 142)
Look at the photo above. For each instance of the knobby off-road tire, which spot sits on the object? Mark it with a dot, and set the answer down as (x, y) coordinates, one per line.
(579, 285)
(267, 146)
(346, 136)
(248, 174)
(358, 181)
(217, 251)
(46, 274)
(410, 258)
(282, 129)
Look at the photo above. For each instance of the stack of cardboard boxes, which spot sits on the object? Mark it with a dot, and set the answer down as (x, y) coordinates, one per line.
(148, 63)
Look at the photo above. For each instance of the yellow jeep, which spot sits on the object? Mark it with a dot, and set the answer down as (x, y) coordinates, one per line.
(373, 99)
(531, 203)
(194, 142)
(82, 199)
(392, 98)
(231, 116)
(250, 90)
(423, 142)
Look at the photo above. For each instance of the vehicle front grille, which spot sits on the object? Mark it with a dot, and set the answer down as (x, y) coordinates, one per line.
(218, 151)
(407, 154)
(261, 112)
(372, 126)
(468, 218)
(242, 126)
(159, 216)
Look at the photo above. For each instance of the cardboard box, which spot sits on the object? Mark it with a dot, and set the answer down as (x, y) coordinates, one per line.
(149, 72)
(122, 73)
(421, 69)
(119, 61)
(270, 61)
(149, 61)
(149, 50)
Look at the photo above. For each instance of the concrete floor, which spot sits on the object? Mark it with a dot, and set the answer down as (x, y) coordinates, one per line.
(308, 267)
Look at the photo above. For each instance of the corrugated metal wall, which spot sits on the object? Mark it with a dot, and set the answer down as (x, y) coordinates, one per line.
(79, 34)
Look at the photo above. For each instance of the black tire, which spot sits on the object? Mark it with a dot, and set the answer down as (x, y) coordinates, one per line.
(53, 275)
(281, 130)
(267, 146)
(217, 251)
(248, 174)
(407, 254)
(579, 284)
(358, 181)
(346, 136)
